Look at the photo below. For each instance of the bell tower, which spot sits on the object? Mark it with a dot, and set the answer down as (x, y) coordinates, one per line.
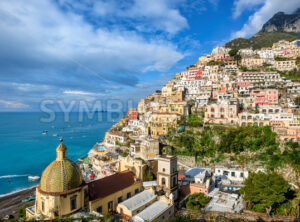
(167, 175)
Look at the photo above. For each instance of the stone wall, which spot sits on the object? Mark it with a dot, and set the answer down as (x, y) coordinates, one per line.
(246, 216)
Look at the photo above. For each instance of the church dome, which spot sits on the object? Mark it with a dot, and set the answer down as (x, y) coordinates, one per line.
(61, 175)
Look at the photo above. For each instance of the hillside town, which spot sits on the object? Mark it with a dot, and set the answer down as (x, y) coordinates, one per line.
(138, 172)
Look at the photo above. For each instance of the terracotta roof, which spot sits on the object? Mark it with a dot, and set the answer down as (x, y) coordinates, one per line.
(111, 184)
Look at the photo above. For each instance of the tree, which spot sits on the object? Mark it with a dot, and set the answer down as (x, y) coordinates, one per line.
(196, 201)
(233, 52)
(265, 192)
(297, 100)
(194, 120)
(158, 91)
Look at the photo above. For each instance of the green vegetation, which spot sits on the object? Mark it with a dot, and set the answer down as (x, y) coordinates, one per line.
(148, 176)
(281, 59)
(297, 100)
(245, 69)
(266, 192)
(216, 141)
(191, 66)
(233, 52)
(261, 40)
(196, 201)
(215, 63)
(292, 74)
(194, 120)
(158, 91)
(22, 211)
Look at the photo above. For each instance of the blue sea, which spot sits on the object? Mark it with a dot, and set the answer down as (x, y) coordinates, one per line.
(25, 151)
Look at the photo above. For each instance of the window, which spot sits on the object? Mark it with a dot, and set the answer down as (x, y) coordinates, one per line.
(163, 181)
(110, 206)
(136, 191)
(164, 169)
(121, 210)
(99, 209)
(73, 202)
(225, 173)
(43, 206)
(242, 174)
(233, 174)
(128, 195)
(174, 181)
(120, 199)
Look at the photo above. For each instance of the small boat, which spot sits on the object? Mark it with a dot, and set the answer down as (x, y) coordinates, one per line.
(33, 177)
(53, 127)
(55, 134)
(45, 132)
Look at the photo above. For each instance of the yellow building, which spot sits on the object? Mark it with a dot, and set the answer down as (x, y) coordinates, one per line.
(204, 60)
(106, 193)
(180, 107)
(161, 122)
(252, 62)
(61, 191)
(285, 65)
(132, 164)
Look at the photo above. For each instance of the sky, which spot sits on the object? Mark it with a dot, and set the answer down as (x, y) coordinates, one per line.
(57, 53)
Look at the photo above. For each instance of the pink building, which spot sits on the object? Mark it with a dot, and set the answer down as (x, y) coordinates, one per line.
(238, 85)
(195, 72)
(222, 56)
(132, 114)
(218, 91)
(265, 96)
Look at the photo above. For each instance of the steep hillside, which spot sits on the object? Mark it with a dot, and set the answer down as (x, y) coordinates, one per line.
(280, 27)
(262, 39)
(281, 22)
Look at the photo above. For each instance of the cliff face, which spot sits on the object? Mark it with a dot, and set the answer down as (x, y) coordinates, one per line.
(282, 22)
(280, 27)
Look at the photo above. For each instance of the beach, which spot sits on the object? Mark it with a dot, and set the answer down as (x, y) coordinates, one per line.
(10, 203)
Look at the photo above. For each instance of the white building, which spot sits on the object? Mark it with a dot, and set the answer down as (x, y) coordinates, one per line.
(158, 211)
(219, 49)
(197, 175)
(233, 173)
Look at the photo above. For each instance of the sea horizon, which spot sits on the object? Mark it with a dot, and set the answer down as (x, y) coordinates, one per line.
(26, 151)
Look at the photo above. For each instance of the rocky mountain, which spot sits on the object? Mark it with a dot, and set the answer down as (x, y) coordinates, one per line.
(280, 27)
(282, 22)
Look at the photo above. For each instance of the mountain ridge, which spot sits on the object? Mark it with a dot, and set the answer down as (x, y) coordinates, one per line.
(280, 27)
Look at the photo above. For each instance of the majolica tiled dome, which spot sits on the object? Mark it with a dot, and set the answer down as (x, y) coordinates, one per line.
(61, 175)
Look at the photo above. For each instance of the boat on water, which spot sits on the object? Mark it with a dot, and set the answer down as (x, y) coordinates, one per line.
(45, 132)
(53, 127)
(33, 177)
(55, 134)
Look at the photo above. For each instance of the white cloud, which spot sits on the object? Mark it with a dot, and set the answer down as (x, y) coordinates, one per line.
(84, 93)
(262, 15)
(46, 50)
(148, 15)
(13, 105)
(241, 5)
